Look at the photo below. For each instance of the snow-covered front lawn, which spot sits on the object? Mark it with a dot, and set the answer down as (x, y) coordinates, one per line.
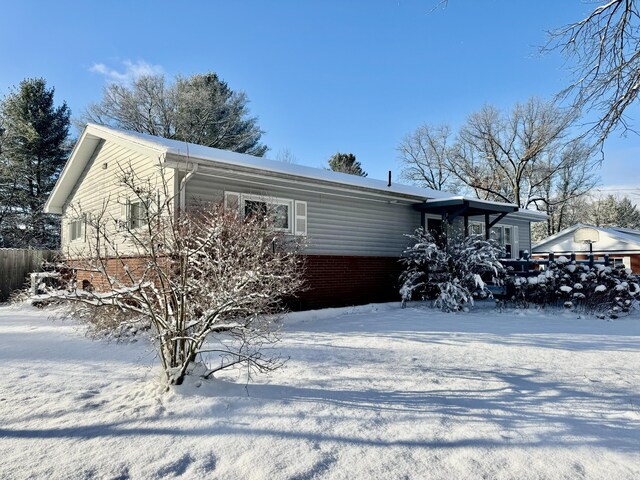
(371, 392)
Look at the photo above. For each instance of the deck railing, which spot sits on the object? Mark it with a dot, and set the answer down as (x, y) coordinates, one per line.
(531, 266)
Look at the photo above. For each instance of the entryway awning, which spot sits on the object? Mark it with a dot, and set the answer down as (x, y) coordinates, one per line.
(451, 208)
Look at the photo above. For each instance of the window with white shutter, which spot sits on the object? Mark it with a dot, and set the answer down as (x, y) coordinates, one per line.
(288, 215)
(300, 218)
(232, 201)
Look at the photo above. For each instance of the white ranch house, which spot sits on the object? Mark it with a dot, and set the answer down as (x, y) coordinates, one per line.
(355, 226)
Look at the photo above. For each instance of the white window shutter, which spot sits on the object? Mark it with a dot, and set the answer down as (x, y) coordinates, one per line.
(70, 230)
(232, 201)
(125, 213)
(516, 243)
(300, 218)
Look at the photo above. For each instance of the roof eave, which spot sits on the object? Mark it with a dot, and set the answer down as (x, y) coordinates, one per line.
(207, 164)
(80, 155)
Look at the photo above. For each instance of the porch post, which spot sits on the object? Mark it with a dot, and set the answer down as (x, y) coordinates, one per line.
(466, 225)
(486, 226)
(445, 229)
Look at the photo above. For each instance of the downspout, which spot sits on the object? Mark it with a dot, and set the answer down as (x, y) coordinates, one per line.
(183, 185)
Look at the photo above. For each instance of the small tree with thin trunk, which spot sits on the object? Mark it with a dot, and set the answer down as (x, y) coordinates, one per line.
(209, 281)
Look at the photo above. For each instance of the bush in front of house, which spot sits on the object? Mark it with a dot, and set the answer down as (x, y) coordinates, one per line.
(451, 275)
(600, 289)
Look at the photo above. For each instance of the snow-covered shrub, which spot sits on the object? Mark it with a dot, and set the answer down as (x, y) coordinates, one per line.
(451, 274)
(593, 289)
(209, 284)
(452, 296)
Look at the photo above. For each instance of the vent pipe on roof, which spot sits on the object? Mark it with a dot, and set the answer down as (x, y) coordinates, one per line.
(389, 179)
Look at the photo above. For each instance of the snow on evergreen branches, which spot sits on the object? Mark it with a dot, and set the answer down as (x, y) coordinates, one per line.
(598, 289)
(449, 274)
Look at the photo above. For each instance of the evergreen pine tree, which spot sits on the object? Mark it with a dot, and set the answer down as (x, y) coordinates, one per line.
(198, 109)
(33, 150)
(613, 212)
(346, 163)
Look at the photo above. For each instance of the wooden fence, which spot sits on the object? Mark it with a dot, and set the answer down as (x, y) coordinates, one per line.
(16, 265)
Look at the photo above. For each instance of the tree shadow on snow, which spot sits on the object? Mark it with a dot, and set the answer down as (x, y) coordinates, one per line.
(520, 400)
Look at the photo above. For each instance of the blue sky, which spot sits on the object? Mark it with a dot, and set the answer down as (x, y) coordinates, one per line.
(322, 76)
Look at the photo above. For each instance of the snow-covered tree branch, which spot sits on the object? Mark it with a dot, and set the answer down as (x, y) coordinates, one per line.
(191, 275)
(449, 274)
(604, 47)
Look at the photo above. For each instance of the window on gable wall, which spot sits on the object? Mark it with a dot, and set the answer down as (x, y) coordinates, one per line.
(137, 214)
(133, 214)
(76, 229)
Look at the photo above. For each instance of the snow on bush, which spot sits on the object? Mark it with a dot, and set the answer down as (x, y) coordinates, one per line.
(211, 284)
(594, 289)
(451, 274)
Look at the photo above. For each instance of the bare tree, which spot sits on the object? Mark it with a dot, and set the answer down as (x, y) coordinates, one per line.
(561, 192)
(526, 157)
(208, 281)
(517, 157)
(497, 155)
(146, 107)
(605, 50)
(426, 158)
(286, 156)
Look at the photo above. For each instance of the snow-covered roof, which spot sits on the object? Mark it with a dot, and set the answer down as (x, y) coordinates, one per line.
(200, 154)
(478, 207)
(611, 239)
(93, 133)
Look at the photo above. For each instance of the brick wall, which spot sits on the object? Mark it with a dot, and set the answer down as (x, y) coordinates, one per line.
(115, 269)
(335, 281)
(331, 281)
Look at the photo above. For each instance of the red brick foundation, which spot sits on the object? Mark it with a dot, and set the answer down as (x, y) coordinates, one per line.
(337, 281)
(115, 269)
(331, 281)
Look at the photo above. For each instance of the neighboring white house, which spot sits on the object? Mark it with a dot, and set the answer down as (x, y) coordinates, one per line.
(621, 244)
(355, 226)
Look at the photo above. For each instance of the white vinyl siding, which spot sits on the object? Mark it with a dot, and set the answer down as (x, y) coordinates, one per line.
(99, 190)
(342, 224)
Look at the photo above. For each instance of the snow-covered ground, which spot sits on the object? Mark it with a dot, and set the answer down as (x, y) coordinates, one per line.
(372, 392)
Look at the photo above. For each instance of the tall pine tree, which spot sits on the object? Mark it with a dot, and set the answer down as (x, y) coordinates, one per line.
(346, 163)
(198, 109)
(33, 149)
(611, 211)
